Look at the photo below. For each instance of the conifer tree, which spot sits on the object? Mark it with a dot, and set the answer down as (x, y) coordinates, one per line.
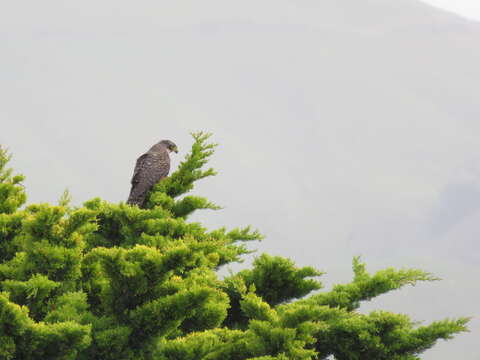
(112, 281)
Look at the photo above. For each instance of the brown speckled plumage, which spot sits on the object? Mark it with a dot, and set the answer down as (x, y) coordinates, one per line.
(150, 168)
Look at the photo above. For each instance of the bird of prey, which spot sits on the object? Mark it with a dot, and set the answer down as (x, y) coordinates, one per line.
(150, 168)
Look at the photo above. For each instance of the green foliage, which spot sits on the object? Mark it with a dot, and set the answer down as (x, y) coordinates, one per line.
(365, 287)
(12, 196)
(23, 338)
(112, 281)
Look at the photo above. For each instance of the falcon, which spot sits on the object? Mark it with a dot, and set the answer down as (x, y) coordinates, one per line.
(150, 168)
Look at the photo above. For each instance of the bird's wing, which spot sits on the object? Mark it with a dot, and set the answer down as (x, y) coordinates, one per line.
(151, 167)
(140, 165)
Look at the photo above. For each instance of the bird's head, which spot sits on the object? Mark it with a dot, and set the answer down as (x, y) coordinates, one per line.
(170, 145)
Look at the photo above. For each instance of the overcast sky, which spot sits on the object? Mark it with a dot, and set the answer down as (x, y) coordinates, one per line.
(467, 8)
(346, 127)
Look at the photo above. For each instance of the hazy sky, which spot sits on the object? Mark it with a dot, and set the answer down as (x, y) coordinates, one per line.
(346, 127)
(467, 8)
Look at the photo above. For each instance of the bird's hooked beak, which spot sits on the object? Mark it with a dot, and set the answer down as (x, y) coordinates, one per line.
(175, 150)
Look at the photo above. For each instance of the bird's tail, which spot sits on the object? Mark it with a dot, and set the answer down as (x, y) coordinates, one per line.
(136, 197)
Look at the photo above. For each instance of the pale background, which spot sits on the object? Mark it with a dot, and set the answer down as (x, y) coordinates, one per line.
(466, 8)
(346, 127)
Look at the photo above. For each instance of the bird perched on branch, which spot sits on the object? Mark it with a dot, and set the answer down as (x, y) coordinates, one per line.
(150, 168)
